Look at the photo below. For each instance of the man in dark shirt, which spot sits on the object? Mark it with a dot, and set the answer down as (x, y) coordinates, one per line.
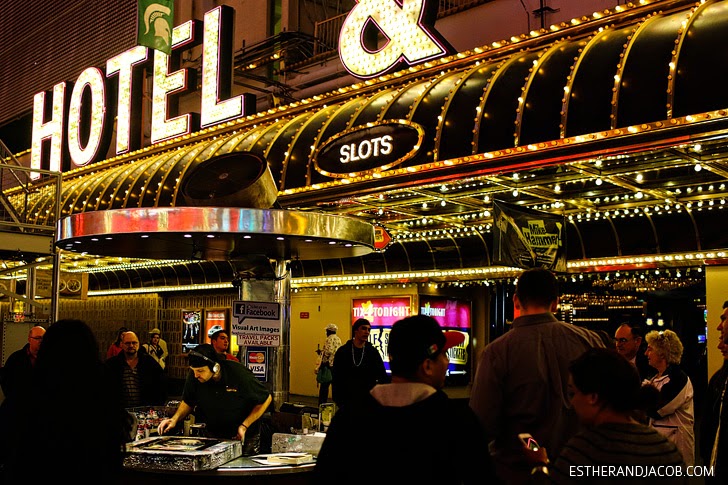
(715, 416)
(225, 395)
(220, 341)
(628, 340)
(432, 438)
(358, 367)
(138, 377)
(15, 378)
(18, 366)
(520, 383)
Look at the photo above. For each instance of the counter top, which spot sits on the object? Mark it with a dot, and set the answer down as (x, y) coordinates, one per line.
(242, 470)
(250, 467)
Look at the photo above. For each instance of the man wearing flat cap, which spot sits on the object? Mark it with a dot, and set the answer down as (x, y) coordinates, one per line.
(428, 437)
(225, 395)
(332, 344)
(358, 366)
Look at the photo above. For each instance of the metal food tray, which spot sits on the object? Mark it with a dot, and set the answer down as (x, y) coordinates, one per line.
(180, 453)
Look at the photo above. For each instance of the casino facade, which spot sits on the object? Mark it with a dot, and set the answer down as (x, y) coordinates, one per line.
(611, 117)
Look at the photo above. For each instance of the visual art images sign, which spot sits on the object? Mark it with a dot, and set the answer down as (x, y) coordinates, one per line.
(257, 323)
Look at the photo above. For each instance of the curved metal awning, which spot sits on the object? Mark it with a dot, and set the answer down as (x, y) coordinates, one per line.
(642, 80)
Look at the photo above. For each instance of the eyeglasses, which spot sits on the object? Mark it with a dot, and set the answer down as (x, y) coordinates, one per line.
(622, 340)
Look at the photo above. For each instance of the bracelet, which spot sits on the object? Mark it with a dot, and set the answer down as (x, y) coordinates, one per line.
(245, 426)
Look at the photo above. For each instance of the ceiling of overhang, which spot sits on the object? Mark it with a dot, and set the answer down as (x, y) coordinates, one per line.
(645, 107)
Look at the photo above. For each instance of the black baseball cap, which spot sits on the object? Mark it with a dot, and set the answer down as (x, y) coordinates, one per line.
(358, 323)
(203, 355)
(419, 337)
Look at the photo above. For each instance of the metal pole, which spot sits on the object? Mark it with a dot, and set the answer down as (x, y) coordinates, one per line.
(281, 357)
(543, 15)
(55, 285)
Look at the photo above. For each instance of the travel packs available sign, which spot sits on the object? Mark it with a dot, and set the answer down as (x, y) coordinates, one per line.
(257, 323)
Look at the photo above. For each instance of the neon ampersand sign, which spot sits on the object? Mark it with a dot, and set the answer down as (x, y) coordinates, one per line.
(407, 26)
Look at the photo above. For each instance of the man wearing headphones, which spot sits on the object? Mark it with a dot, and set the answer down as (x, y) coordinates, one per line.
(223, 394)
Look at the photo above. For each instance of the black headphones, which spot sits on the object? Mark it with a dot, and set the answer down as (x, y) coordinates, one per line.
(215, 367)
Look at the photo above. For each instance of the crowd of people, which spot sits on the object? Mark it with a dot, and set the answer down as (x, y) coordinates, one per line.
(64, 403)
(547, 398)
(39, 419)
(581, 399)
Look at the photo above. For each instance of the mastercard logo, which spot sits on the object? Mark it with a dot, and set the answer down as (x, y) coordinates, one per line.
(258, 357)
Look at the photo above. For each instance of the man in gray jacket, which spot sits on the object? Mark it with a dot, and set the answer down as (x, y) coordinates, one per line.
(520, 384)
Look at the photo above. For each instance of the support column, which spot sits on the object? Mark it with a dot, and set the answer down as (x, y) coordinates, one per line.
(281, 356)
(55, 285)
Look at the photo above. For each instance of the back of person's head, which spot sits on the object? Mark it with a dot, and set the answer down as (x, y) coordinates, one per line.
(606, 338)
(68, 344)
(537, 287)
(609, 375)
(331, 329)
(70, 378)
(119, 333)
(414, 339)
(203, 355)
(667, 345)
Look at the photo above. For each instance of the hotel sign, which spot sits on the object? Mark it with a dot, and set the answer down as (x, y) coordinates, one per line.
(73, 121)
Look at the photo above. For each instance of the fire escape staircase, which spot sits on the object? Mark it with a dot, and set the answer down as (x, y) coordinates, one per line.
(25, 243)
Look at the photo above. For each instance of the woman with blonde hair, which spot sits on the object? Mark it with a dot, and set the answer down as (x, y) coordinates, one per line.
(672, 414)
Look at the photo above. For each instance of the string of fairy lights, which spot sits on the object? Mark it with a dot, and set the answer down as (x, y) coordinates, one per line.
(629, 273)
